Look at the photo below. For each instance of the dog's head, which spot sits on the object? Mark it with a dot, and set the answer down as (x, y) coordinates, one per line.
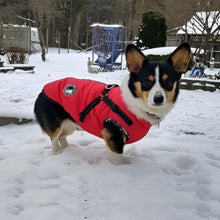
(156, 84)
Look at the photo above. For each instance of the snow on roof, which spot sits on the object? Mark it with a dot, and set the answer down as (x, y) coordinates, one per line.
(13, 25)
(197, 23)
(107, 25)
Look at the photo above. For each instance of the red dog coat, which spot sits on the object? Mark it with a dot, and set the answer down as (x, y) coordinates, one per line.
(74, 95)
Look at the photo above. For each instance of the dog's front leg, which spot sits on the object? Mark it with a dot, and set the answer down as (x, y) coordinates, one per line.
(113, 136)
(115, 140)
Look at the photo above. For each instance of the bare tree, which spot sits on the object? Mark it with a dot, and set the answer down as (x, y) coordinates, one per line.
(42, 11)
(72, 18)
(78, 7)
(202, 30)
(205, 28)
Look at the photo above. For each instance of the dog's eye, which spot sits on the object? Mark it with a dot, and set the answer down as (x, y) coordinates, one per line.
(168, 84)
(147, 84)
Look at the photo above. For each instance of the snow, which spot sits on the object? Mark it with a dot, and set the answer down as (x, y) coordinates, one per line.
(172, 173)
(107, 25)
(159, 51)
(162, 51)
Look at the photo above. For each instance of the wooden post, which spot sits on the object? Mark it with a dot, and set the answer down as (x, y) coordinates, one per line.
(47, 34)
(59, 43)
(68, 41)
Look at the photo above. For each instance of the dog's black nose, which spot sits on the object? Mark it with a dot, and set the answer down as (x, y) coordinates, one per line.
(158, 98)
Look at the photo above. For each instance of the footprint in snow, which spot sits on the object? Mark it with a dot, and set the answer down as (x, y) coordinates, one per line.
(213, 160)
(15, 210)
(180, 165)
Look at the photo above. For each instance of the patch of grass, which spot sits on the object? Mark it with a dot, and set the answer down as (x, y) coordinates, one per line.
(157, 58)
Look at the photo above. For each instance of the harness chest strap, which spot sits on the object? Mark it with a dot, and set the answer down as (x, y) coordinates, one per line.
(114, 107)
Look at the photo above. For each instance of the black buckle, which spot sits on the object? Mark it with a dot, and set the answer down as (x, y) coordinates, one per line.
(110, 86)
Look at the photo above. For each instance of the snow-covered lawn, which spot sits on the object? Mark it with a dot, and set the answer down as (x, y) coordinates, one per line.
(171, 174)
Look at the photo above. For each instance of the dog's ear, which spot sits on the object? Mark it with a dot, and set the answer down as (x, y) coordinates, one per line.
(180, 58)
(134, 58)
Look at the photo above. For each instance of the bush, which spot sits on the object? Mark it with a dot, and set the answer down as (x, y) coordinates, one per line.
(157, 58)
(164, 58)
(16, 55)
(152, 31)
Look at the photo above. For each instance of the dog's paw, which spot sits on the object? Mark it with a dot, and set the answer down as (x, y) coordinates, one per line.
(58, 151)
(115, 158)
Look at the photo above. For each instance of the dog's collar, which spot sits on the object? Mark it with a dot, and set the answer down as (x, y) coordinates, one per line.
(156, 117)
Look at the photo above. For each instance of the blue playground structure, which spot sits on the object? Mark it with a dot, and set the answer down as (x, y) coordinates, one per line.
(197, 72)
(107, 46)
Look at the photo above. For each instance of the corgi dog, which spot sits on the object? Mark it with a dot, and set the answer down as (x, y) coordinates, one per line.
(120, 115)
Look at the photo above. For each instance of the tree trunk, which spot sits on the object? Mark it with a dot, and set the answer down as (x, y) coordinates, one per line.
(76, 29)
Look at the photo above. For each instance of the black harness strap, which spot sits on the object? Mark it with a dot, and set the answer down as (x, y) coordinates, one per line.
(115, 108)
(88, 108)
(103, 97)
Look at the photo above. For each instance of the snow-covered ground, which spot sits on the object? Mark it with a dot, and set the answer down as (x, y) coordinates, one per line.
(173, 173)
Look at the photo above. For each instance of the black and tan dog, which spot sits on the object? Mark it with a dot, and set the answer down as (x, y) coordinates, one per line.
(119, 115)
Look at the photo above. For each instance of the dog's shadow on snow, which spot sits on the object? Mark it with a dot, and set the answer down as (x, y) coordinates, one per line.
(88, 152)
(95, 152)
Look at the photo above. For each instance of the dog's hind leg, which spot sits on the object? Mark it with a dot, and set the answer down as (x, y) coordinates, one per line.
(55, 137)
(67, 128)
(63, 142)
(54, 120)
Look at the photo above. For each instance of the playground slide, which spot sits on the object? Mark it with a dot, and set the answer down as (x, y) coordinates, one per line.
(114, 56)
(110, 60)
